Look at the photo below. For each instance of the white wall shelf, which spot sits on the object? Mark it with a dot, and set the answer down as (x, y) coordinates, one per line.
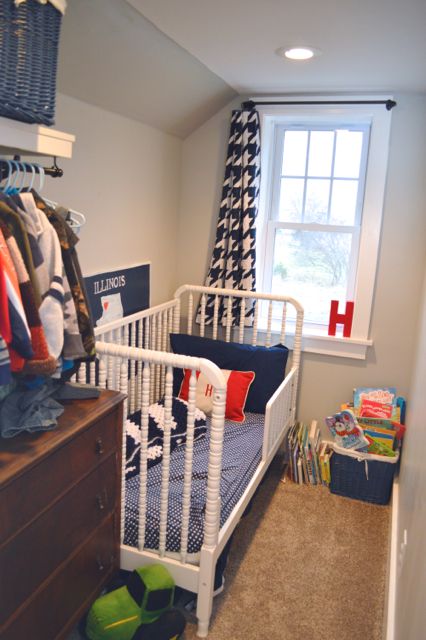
(33, 139)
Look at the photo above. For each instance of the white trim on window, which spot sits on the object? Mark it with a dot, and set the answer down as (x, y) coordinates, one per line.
(378, 119)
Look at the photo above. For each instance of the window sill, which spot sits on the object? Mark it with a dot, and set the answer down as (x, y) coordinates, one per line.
(333, 346)
(318, 342)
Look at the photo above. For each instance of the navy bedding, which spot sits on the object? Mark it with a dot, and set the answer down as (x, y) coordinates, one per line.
(242, 450)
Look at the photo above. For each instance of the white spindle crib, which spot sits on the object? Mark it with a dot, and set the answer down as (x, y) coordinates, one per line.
(134, 357)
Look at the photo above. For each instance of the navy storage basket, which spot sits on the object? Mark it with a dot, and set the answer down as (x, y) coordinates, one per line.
(362, 476)
(29, 37)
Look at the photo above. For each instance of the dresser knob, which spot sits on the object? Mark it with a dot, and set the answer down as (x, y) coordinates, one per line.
(100, 564)
(99, 446)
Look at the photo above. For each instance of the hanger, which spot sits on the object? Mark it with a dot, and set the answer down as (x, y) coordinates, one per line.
(75, 219)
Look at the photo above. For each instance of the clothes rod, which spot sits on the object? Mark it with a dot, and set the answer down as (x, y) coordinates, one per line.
(250, 104)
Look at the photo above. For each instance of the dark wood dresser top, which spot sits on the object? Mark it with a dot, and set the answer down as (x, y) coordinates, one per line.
(19, 454)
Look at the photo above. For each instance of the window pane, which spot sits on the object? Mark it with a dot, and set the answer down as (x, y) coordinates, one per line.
(291, 199)
(343, 201)
(320, 153)
(316, 205)
(348, 154)
(294, 154)
(312, 266)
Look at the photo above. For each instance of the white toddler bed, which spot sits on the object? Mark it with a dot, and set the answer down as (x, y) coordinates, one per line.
(182, 511)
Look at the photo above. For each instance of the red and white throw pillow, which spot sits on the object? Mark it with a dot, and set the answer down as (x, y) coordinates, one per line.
(238, 384)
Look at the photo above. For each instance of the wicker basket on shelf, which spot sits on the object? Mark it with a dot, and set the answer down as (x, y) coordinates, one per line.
(29, 37)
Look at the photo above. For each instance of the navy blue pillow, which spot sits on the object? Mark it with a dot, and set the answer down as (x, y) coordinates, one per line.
(268, 363)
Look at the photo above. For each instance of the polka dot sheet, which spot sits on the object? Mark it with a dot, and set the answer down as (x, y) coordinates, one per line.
(242, 451)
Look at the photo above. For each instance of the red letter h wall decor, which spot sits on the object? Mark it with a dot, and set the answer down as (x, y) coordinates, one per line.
(341, 318)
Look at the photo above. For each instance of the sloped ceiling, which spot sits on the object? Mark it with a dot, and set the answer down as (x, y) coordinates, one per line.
(377, 45)
(173, 63)
(113, 57)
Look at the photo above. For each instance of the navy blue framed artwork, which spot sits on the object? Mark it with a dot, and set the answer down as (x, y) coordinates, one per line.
(116, 294)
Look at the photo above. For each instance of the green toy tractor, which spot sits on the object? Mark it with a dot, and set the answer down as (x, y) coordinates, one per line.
(118, 614)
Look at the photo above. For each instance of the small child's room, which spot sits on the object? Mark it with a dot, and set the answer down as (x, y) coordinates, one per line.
(212, 320)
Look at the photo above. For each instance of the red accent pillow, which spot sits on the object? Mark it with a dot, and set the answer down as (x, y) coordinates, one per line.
(237, 388)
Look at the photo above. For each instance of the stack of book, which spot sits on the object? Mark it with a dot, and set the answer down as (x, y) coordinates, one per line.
(309, 457)
(380, 412)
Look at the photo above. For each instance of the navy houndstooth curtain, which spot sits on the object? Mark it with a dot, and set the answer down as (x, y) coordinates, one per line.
(233, 260)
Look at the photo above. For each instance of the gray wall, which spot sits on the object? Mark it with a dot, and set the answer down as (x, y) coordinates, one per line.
(411, 585)
(327, 381)
(125, 177)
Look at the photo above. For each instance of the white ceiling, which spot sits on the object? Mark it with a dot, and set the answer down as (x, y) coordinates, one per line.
(377, 45)
(173, 63)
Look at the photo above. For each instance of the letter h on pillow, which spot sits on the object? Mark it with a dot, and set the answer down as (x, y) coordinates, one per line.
(267, 363)
(237, 388)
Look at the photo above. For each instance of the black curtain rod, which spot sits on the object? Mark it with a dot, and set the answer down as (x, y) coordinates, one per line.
(250, 104)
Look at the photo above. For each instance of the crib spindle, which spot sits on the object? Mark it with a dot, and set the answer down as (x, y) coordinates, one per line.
(190, 312)
(228, 319)
(255, 324)
(123, 389)
(139, 365)
(158, 345)
(153, 346)
(110, 361)
(103, 372)
(92, 372)
(132, 381)
(269, 327)
(215, 316)
(242, 320)
(212, 513)
(283, 323)
(202, 315)
(189, 454)
(146, 374)
(81, 373)
(164, 494)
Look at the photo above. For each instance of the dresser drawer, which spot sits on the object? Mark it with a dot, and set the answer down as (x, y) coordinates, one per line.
(38, 549)
(28, 494)
(61, 601)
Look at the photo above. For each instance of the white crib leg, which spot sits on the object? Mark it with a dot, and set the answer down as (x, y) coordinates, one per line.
(205, 592)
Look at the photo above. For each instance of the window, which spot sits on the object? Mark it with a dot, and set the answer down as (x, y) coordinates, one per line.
(323, 179)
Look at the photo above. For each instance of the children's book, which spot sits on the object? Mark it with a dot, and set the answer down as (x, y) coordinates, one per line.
(373, 409)
(346, 431)
(384, 395)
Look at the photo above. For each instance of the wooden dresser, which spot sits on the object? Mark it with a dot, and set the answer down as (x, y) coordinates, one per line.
(59, 519)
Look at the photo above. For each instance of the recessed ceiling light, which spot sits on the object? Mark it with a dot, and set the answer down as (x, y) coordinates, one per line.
(298, 53)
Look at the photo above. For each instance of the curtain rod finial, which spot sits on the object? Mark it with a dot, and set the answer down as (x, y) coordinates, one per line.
(390, 104)
(249, 104)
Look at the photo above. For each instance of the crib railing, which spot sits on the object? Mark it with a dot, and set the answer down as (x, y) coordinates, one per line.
(147, 329)
(148, 361)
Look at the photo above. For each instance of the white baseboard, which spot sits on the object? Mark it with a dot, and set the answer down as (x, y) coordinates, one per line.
(390, 608)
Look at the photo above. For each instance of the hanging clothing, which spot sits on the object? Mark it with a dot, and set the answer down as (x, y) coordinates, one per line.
(233, 260)
(68, 240)
(18, 338)
(51, 286)
(42, 362)
(17, 228)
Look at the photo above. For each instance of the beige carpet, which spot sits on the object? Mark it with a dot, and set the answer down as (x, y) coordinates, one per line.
(304, 565)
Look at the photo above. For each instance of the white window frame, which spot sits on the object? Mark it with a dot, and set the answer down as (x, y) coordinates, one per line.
(378, 119)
